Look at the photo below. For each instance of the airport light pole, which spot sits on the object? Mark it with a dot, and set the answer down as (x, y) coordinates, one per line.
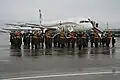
(40, 16)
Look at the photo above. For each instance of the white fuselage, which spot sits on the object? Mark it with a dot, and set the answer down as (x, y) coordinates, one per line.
(75, 25)
(70, 25)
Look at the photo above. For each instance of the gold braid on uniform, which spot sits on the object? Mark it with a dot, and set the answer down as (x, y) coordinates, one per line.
(62, 35)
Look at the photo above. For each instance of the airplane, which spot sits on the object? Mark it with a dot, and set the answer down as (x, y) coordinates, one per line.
(76, 25)
(70, 25)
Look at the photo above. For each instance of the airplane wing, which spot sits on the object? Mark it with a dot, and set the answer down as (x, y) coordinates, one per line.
(4, 31)
(17, 28)
(42, 26)
(22, 27)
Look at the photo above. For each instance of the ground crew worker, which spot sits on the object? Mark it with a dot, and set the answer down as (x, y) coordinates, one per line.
(96, 38)
(73, 39)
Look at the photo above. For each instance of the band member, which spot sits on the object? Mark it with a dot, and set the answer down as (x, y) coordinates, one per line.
(18, 39)
(68, 40)
(92, 38)
(62, 39)
(48, 39)
(35, 39)
(12, 38)
(109, 38)
(84, 39)
(79, 41)
(73, 39)
(42, 39)
(113, 41)
(96, 38)
(26, 39)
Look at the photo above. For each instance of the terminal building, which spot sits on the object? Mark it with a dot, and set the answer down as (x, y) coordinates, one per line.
(116, 32)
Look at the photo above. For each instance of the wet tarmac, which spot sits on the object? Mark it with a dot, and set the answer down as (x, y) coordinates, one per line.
(59, 64)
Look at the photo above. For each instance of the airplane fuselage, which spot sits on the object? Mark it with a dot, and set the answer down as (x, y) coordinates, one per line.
(71, 26)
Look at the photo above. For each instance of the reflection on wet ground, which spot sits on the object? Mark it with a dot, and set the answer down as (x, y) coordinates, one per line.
(56, 60)
(86, 52)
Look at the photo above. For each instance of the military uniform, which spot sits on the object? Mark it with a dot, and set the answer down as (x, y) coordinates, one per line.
(68, 40)
(18, 40)
(48, 40)
(26, 39)
(113, 41)
(96, 39)
(73, 39)
(35, 40)
(109, 37)
(79, 41)
(42, 40)
(84, 40)
(103, 39)
(62, 39)
(92, 39)
(12, 39)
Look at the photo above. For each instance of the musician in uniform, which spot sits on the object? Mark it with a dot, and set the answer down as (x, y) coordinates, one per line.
(18, 39)
(48, 39)
(109, 38)
(113, 41)
(68, 39)
(84, 39)
(73, 39)
(62, 39)
(12, 39)
(92, 38)
(103, 39)
(96, 38)
(35, 39)
(79, 40)
(26, 39)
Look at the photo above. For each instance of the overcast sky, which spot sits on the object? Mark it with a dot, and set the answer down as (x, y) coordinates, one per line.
(27, 10)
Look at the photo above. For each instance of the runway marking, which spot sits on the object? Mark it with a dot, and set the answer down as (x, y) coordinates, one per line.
(62, 75)
(4, 60)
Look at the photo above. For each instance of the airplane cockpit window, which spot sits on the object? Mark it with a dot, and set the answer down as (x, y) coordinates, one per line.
(84, 21)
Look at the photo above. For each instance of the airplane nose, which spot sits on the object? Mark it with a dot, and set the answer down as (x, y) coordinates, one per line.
(90, 25)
